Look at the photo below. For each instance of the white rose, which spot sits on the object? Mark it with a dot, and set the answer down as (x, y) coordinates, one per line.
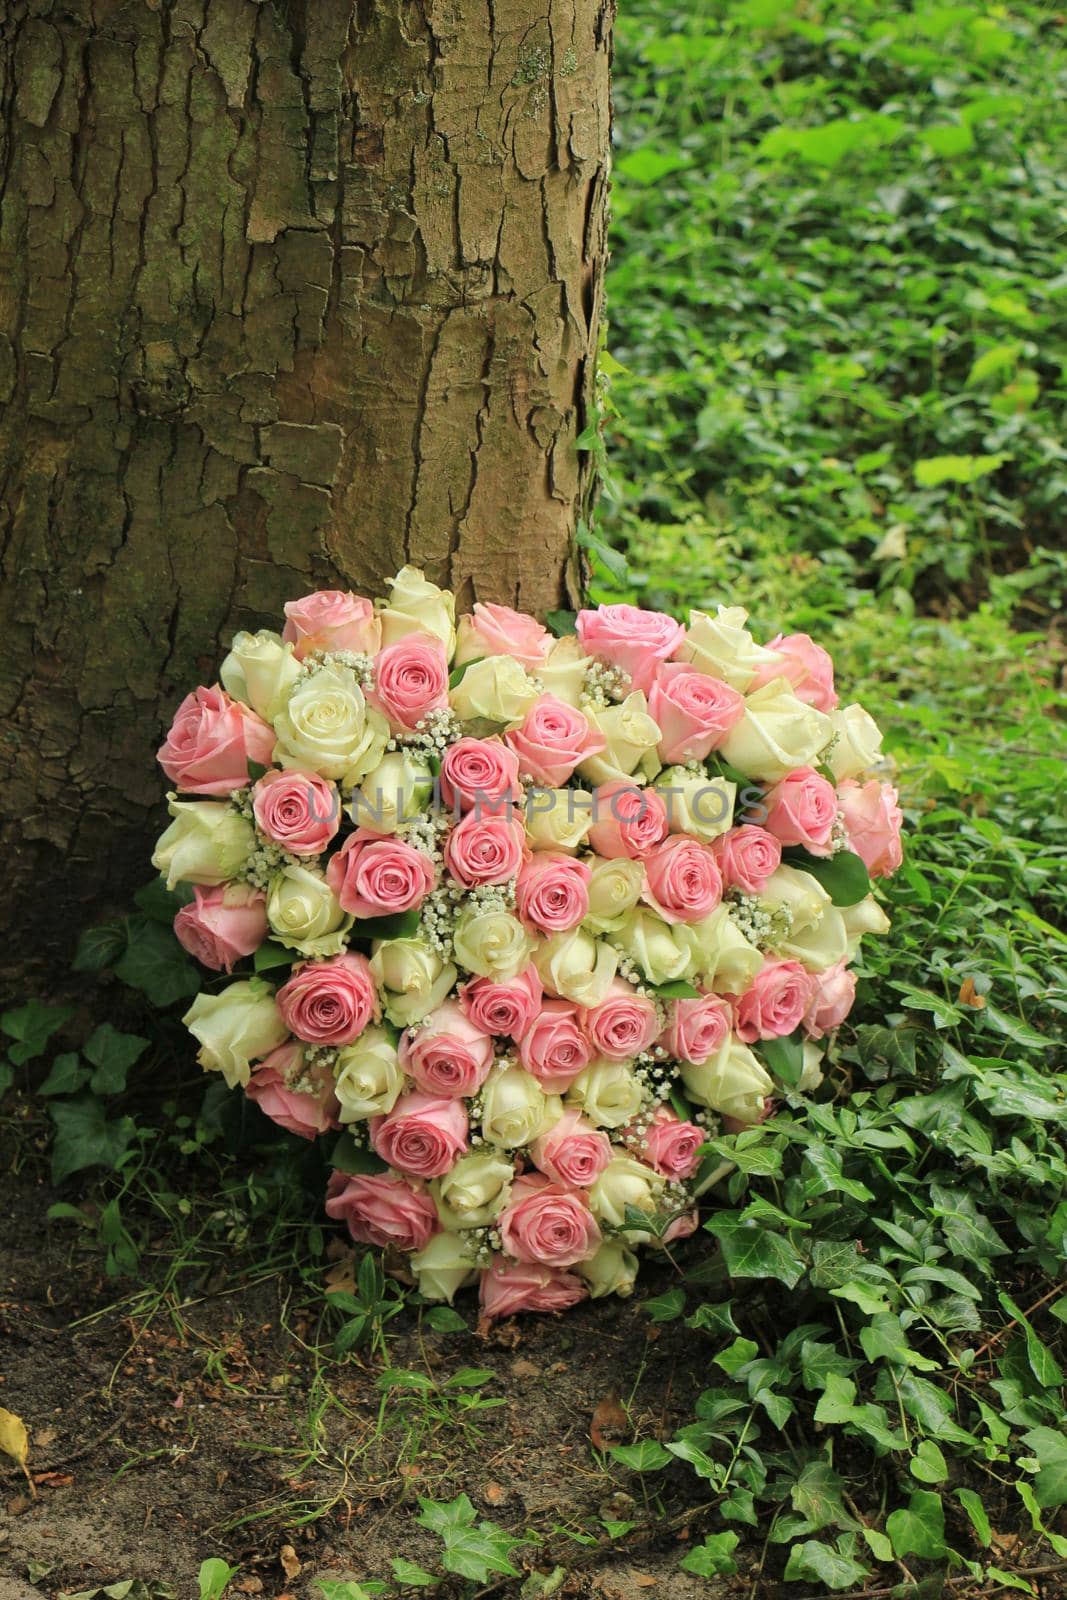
(608, 1093)
(515, 1109)
(865, 917)
(722, 957)
(412, 979)
(207, 843)
(236, 1027)
(804, 897)
(328, 727)
(474, 1192)
(663, 952)
(575, 966)
(563, 674)
(417, 606)
(305, 914)
(777, 733)
(625, 1181)
(557, 819)
(696, 804)
(818, 946)
(367, 1076)
(259, 671)
(732, 1082)
(632, 736)
(811, 1072)
(495, 689)
(722, 647)
(614, 889)
(859, 742)
(397, 791)
(443, 1265)
(613, 1270)
(491, 944)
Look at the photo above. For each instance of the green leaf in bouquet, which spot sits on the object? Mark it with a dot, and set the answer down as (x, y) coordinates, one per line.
(256, 770)
(272, 955)
(348, 1156)
(155, 963)
(784, 1057)
(677, 989)
(456, 677)
(843, 876)
(405, 925)
(561, 623)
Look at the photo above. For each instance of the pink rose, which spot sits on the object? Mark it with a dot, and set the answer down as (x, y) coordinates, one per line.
(747, 857)
(628, 820)
(379, 877)
(447, 1054)
(670, 1145)
(544, 1222)
(635, 640)
(681, 1227)
(500, 631)
(552, 740)
(697, 1029)
(806, 665)
(802, 809)
(221, 925)
(211, 741)
(508, 1287)
(831, 1001)
(694, 712)
(381, 1209)
(479, 774)
(330, 620)
(506, 1009)
(873, 821)
(623, 1024)
(329, 1002)
(486, 849)
(552, 892)
(411, 680)
(775, 1002)
(306, 1113)
(682, 879)
(298, 810)
(422, 1136)
(554, 1050)
(572, 1153)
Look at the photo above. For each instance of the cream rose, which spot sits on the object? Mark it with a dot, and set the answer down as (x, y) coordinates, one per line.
(722, 647)
(443, 1266)
(803, 896)
(811, 1072)
(613, 1270)
(631, 738)
(236, 1027)
(859, 742)
(614, 889)
(491, 944)
(515, 1109)
(624, 1182)
(731, 1082)
(412, 979)
(397, 791)
(260, 671)
(417, 606)
(777, 733)
(723, 959)
(608, 1093)
(368, 1078)
(495, 689)
(207, 843)
(696, 804)
(557, 819)
(327, 727)
(475, 1192)
(865, 917)
(575, 966)
(305, 914)
(819, 945)
(663, 952)
(563, 674)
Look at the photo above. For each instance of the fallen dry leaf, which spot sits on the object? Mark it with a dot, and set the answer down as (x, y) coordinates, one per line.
(291, 1563)
(341, 1278)
(643, 1580)
(969, 995)
(43, 1437)
(14, 1440)
(609, 1425)
(494, 1493)
(249, 1585)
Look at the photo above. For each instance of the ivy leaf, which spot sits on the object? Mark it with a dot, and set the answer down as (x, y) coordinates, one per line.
(713, 1558)
(112, 1054)
(816, 1495)
(647, 1455)
(471, 1551)
(161, 904)
(753, 1252)
(1043, 1364)
(918, 1528)
(442, 1319)
(99, 947)
(665, 1307)
(155, 963)
(784, 1057)
(822, 1563)
(843, 876)
(1050, 1448)
(928, 1464)
(405, 1571)
(85, 1138)
(976, 1511)
(31, 1026)
(67, 1076)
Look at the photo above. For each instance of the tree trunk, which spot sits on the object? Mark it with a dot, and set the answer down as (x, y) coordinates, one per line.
(291, 293)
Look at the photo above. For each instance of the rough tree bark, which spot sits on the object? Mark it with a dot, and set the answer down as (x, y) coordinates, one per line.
(291, 293)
